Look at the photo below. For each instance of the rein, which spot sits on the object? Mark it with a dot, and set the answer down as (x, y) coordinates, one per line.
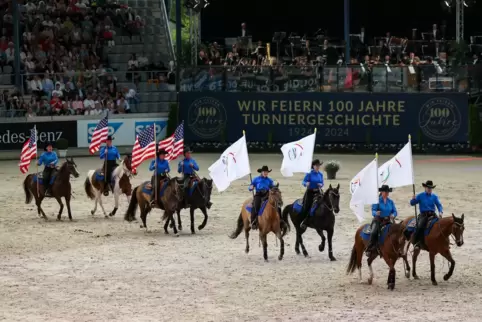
(447, 238)
(330, 200)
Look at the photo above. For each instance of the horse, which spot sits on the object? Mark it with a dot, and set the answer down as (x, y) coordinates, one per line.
(199, 197)
(60, 187)
(268, 221)
(170, 195)
(436, 242)
(390, 240)
(94, 185)
(322, 219)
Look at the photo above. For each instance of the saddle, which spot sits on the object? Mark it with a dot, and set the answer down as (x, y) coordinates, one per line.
(40, 175)
(430, 221)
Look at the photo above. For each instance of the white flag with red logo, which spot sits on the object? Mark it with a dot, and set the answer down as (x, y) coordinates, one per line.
(398, 171)
(364, 189)
(298, 155)
(232, 165)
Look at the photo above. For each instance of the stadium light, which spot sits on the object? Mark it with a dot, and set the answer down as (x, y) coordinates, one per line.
(469, 3)
(447, 3)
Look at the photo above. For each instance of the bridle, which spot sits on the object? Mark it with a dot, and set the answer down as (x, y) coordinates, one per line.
(460, 225)
(331, 194)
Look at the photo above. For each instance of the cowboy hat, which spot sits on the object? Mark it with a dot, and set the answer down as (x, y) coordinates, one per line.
(110, 138)
(429, 184)
(385, 188)
(264, 168)
(161, 151)
(47, 144)
(187, 150)
(316, 162)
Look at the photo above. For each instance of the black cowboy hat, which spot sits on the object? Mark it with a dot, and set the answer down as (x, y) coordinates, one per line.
(187, 150)
(161, 151)
(47, 144)
(110, 138)
(316, 162)
(429, 184)
(385, 188)
(264, 168)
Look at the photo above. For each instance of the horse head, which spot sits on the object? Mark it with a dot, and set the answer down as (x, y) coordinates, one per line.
(127, 165)
(71, 167)
(275, 196)
(458, 229)
(208, 188)
(332, 198)
(173, 195)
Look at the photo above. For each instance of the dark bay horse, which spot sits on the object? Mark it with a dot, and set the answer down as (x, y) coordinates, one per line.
(323, 219)
(94, 184)
(60, 188)
(390, 244)
(200, 198)
(268, 221)
(437, 241)
(141, 196)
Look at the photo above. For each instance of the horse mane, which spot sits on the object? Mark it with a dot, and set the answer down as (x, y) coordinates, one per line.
(64, 166)
(119, 170)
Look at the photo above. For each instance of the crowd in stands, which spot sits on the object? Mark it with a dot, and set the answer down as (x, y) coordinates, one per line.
(63, 57)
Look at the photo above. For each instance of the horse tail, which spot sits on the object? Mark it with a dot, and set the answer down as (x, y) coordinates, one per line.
(284, 217)
(239, 227)
(28, 193)
(88, 188)
(352, 264)
(131, 210)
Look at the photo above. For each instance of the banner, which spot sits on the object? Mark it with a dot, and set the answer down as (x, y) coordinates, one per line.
(13, 135)
(338, 117)
(124, 131)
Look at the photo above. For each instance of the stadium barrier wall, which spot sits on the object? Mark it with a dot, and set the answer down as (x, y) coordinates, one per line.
(343, 118)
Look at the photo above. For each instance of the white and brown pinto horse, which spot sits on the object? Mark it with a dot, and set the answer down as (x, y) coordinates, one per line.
(94, 185)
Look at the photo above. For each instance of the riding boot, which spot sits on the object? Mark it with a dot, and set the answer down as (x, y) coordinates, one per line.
(254, 219)
(419, 232)
(153, 202)
(373, 245)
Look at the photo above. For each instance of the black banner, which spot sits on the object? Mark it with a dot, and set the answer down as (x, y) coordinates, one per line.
(13, 135)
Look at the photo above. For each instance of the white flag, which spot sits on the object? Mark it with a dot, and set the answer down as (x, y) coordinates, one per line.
(298, 155)
(398, 171)
(232, 165)
(364, 189)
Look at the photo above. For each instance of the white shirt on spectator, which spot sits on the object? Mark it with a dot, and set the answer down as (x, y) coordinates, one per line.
(58, 92)
(10, 53)
(143, 61)
(88, 104)
(131, 93)
(133, 62)
(36, 85)
(126, 105)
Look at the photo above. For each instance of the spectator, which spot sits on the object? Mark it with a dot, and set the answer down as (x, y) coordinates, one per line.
(36, 86)
(122, 106)
(89, 102)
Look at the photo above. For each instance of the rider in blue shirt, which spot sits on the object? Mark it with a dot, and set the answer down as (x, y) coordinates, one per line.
(188, 168)
(110, 154)
(49, 159)
(313, 182)
(261, 185)
(162, 166)
(428, 201)
(383, 210)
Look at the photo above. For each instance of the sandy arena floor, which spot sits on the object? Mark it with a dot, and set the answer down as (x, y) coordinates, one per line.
(97, 269)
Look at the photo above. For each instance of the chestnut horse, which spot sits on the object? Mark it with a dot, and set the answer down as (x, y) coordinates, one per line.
(390, 241)
(268, 221)
(171, 196)
(121, 175)
(437, 241)
(60, 188)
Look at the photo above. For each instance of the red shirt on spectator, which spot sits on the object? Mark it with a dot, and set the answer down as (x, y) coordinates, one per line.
(56, 103)
(108, 34)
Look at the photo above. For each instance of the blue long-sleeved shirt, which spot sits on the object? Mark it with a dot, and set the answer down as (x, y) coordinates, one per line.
(48, 158)
(427, 202)
(314, 178)
(185, 167)
(162, 166)
(386, 209)
(112, 153)
(261, 184)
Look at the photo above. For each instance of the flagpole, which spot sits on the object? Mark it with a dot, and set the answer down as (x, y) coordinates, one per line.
(376, 158)
(155, 166)
(250, 176)
(36, 159)
(413, 177)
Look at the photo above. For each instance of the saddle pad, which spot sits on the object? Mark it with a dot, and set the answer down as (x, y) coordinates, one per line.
(148, 190)
(298, 205)
(249, 207)
(40, 179)
(411, 226)
(99, 176)
(192, 187)
(367, 231)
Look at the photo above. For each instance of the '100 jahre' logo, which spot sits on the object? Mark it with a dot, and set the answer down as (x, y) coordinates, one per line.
(439, 118)
(206, 117)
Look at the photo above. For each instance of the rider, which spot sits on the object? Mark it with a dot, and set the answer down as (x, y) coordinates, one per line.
(383, 210)
(162, 171)
(261, 184)
(187, 167)
(428, 201)
(49, 159)
(112, 155)
(313, 182)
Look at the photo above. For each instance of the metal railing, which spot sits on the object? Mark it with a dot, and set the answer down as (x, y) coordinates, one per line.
(356, 78)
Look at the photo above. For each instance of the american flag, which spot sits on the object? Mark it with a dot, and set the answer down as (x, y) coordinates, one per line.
(29, 150)
(99, 136)
(174, 145)
(144, 148)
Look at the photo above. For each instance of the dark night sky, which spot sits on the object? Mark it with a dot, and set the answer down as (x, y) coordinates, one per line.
(263, 17)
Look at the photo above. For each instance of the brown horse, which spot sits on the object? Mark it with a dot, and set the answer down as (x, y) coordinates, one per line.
(268, 221)
(94, 186)
(171, 195)
(390, 251)
(60, 188)
(437, 241)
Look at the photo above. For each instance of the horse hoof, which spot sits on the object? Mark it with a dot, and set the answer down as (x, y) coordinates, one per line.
(266, 260)
(200, 227)
(111, 215)
(166, 232)
(92, 212)
(176, 235)
(246, 250)
(415, 277)
(333, 259)
(434, 283)
(391, 286)
(297, 251)
(179, 227)
(407, 275)
(193, 232)
(370, 281)
(280, 257)
(321, 248)
(446, 277)
(306, 254)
